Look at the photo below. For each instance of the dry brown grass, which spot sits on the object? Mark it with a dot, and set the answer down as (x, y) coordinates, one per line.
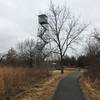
(90, 92)
(45, 89)
(17, 80)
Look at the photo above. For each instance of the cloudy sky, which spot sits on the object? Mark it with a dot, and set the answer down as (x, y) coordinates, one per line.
(18, 18)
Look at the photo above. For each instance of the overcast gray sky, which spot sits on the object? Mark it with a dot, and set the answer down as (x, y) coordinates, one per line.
(18, 18)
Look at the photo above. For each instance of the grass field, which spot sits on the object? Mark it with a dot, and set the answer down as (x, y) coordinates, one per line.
(45, 89)
(90, 91)
(14, 81)
(29, 83)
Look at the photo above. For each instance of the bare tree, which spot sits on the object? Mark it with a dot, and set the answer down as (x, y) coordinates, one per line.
(93, 57)
(32, 52)
(11, 57)
(26, 51)
(64, 29)
(96, 34)
(2, 58)
(42, 52)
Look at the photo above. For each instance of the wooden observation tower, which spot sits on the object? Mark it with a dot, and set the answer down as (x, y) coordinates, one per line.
(42, 30)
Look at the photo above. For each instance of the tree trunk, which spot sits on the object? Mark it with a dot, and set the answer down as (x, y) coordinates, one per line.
(61, 64)
(31, 62)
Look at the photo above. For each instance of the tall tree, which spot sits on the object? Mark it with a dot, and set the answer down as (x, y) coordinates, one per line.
(64, 29)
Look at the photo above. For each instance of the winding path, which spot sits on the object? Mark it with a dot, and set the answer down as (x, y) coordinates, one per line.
(69, 88)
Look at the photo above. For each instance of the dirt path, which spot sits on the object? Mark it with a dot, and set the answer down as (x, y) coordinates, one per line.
(69, 88)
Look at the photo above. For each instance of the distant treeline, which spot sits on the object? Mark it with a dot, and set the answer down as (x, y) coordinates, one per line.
(27, 53)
